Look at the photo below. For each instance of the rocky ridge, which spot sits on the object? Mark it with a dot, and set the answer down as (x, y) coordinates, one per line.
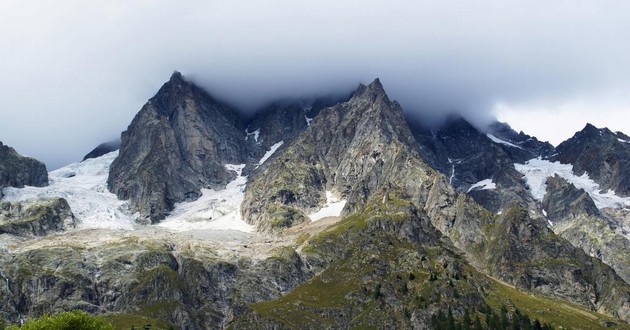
(37, 218)
(409, 245)
(19, 171)
(604, 155)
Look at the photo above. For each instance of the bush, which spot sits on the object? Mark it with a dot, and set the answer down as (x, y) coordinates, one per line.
(73, 320)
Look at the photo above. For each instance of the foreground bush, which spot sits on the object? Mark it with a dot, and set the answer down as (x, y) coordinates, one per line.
(74, 320)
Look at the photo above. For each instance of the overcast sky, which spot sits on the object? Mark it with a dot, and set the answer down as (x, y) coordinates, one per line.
(73, 73)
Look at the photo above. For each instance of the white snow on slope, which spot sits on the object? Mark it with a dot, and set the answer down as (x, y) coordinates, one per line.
(332, 208)
(84, 186)
(215, 209)
(254, 133)
(537, 171)
(308, 120)
(624, 141)
(270, 152)
(497, 140)
(486, 184)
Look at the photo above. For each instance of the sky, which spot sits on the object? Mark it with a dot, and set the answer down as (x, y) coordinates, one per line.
(73, 73)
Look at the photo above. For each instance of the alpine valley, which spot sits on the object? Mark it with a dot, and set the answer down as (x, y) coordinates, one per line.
(320, 213)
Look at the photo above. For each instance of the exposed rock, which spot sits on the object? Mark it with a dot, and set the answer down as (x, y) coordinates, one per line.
(354, 148)
(384, 267)
(466, 156)
(177, 144)
(193, 289)
(576, 218)
(37, 218)
(19, 171)
(102, 149)
(604, 155)
(523, 251)
(528, 147)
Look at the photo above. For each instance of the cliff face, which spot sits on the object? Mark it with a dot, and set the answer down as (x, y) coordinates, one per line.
(177, 144)
(604, 155)
(37, 218)
(352, 150)
(19, 171)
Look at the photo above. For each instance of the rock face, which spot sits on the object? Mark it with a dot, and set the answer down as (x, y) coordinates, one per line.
(177, 144)
(35, 218)
(576, 219)
(353, 149)
(192, 288)
(19, 171)
(279, 121)
(604, 155)
(103, 148)
(467, 156)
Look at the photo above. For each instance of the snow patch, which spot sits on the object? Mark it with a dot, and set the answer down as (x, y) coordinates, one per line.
(497, 140)
(269, 153)
(332, 208)
(486, 184)
(308, 120)
(544, 212)
(624, 141)
(537, 171)
(84, 186)
(255, 133)
(453, 162)
(215, 209)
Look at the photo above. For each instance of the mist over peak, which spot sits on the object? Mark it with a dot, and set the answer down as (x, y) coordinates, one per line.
(79, 72)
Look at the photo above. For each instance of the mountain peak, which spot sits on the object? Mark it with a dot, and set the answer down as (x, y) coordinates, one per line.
(177, 76)
(373, 91)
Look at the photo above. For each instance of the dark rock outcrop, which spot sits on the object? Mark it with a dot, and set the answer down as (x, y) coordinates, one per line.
(37, 218)
(103, 148)
(604, 155)
(19, 171)
(177, 144)
(466, 156)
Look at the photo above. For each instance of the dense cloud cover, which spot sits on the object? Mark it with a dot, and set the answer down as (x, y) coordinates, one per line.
(74, 73)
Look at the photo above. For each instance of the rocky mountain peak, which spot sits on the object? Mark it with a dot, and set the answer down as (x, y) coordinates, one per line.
(600, 153)
(19, 171)
(372, 92)
(178, 143)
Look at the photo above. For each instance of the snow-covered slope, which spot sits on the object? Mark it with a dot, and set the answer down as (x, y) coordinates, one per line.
(497, 140)
(215, 209)
(332, 208)
(486, 184)
(537, 171)
(84, 186)
(270, 152)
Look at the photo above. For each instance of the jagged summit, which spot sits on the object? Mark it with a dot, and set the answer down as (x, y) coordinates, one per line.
(177, 144)
(371, 92)
(602, 154)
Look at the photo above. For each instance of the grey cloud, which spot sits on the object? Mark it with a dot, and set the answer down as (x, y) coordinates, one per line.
(75, 73)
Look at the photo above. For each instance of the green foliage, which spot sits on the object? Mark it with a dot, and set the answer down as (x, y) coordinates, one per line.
(73, 320)
(501, 321)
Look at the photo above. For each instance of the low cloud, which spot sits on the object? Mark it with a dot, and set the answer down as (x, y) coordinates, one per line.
(75, 73)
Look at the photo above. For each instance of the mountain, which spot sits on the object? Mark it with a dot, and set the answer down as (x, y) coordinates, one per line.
(316, 215)
(19, 171)
(102, 149)
(602, 154)
(178, 143)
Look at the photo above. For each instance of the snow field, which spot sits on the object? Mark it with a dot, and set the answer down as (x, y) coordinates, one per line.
(537, 171)
(332, 208)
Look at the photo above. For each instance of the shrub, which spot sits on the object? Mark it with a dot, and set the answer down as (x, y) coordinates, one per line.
(73, 320)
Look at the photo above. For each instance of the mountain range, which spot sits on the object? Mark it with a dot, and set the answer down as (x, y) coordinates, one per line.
(320, 213)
